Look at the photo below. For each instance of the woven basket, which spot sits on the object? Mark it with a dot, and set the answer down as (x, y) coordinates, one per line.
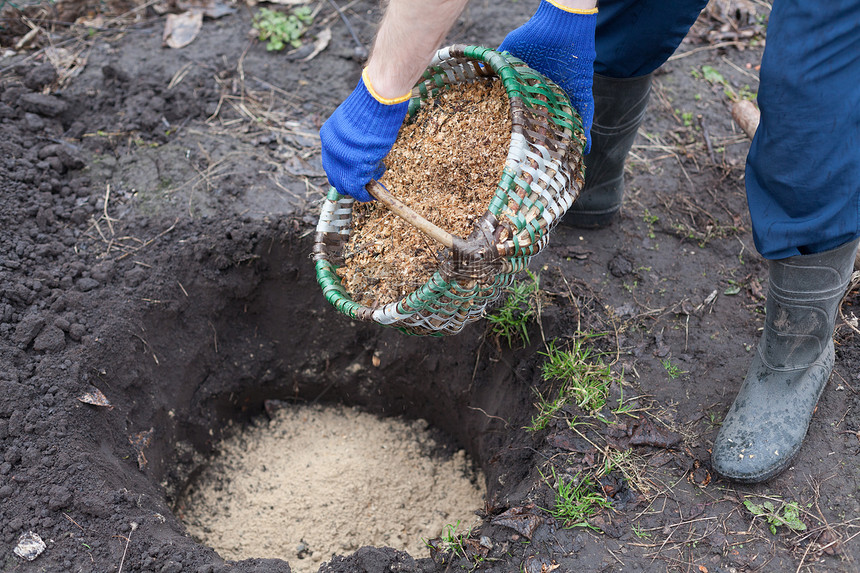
(542, 176)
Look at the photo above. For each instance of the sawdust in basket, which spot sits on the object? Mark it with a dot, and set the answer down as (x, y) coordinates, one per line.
(445, 165)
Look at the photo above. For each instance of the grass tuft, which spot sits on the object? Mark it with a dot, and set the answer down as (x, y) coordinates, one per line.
(584, 380)
(510, 320)
(576, 499)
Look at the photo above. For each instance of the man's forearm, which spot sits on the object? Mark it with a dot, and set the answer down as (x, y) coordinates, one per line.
(410, 33)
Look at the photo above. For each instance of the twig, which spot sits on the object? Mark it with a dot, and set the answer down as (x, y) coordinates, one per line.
(705, 48)
(127, 541)
(214, 336)
(360, 49)
(150, 241)
(740, 69)
(104, 211)
(108, 23)
(489, 415)
(73, 521)
(147, 347)
(707, 138)
(404, 212)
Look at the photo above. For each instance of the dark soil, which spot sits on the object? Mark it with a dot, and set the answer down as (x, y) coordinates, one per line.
(156, 213)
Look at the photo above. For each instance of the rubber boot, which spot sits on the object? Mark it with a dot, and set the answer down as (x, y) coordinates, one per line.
(770, 415)
(619, 107)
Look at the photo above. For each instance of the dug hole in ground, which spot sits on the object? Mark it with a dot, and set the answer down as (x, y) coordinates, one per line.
(156, 294)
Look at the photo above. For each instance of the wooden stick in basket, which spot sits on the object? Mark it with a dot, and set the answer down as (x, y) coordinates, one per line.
(400, 209)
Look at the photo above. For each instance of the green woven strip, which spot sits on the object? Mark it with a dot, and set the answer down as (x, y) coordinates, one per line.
(333, 290)
(500, 199)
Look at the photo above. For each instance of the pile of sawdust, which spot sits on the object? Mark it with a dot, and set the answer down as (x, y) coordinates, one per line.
(445, 165)
(318, 481)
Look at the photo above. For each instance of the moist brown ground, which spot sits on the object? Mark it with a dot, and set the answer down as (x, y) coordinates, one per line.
(186, 295)
(445, 165)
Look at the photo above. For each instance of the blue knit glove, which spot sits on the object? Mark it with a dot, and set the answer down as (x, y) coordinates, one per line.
(357, 136)
(559, 43)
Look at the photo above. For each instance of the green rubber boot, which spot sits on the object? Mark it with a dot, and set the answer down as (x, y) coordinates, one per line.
(770, 415)
(619, 107)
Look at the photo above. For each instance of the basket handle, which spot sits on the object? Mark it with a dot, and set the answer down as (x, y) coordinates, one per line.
(400, 209)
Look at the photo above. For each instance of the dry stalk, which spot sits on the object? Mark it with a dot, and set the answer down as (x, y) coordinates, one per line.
(127, 541)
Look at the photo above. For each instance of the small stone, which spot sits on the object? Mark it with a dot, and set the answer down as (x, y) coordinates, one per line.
(42, 104)
(34, 122)
(620, 266)
(51, 339)
(6, 111)
(70, 157)
(40, 76)
(135, 276)
(87, 284)
(77, 331)
(60, 497)
(28, 329)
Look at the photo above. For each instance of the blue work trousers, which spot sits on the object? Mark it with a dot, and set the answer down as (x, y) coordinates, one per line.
(803, 167)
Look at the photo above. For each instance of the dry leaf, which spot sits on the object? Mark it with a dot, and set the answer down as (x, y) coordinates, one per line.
(520, 519)
(321, 44)
(139, 441)
(30, 546)
(181, 29)
(96, 398)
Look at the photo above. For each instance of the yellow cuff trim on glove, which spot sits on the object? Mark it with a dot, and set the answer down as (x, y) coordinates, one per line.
(573, 10)
(379, 98)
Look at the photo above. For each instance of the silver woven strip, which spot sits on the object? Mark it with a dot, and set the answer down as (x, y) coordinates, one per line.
(388, 314)
(335, 216)
(552, 187)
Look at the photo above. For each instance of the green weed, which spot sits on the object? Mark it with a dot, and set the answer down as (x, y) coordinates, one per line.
(711, 75)
(672, 369)
(510, 320)
(278, 29)
(584, 380)
(639, 532)
(453, 541)
(576, 499)
(687, 118)
(623, 407)
(733, 288)
(650, 220)
(787, 514)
